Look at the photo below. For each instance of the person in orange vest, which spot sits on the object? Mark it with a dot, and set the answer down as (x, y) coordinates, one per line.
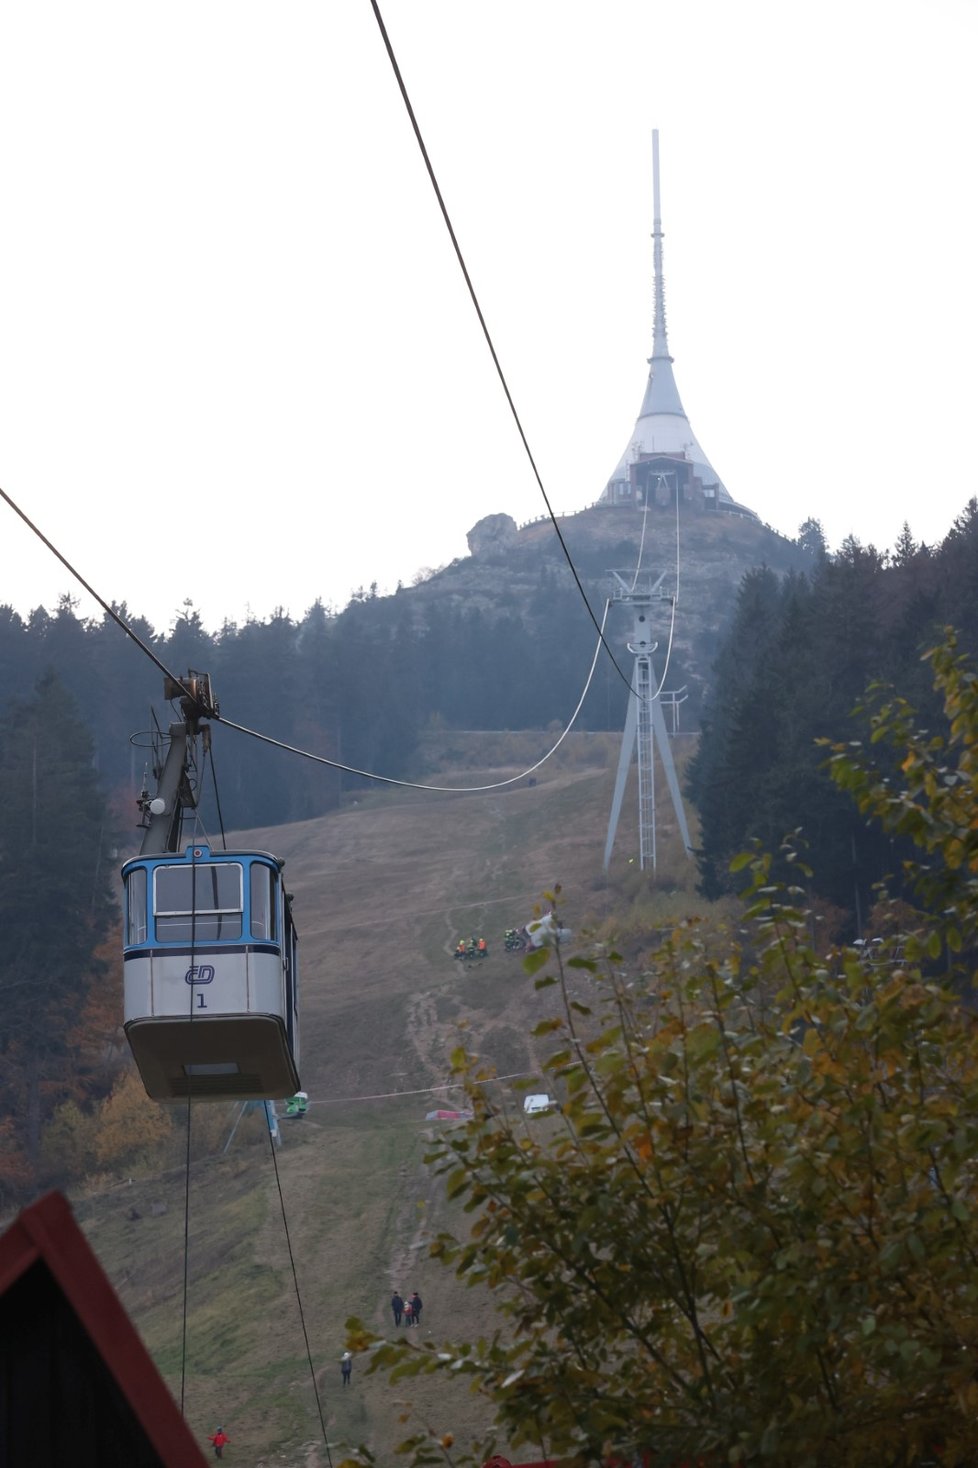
(219, 1438)
(483, 950)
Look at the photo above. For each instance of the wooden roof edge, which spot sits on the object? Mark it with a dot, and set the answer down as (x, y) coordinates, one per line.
(47, 1231)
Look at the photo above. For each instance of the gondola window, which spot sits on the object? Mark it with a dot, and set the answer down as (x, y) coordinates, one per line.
(136, 906)
(198, 903)
(262, 902)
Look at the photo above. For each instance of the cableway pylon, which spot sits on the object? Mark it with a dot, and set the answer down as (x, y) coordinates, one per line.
(645, 725)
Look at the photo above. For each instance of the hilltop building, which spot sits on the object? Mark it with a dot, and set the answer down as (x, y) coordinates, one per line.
(663, 458)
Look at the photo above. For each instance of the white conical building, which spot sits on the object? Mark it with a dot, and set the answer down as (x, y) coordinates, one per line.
(663, 457)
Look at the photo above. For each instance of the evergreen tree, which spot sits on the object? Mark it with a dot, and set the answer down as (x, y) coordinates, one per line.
(317, 788)
(189, 644)
(811, 538)
(56, 898)
(16, 652)
(906, 547)
(737, 729)
(958, 575)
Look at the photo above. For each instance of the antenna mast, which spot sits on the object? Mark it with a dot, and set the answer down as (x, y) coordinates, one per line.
(660, 342)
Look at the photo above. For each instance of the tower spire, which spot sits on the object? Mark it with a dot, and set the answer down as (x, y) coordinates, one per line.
(663, 449)
(660, 344)
(661, 393)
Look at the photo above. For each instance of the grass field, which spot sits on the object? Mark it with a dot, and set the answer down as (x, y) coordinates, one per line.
(383, 889)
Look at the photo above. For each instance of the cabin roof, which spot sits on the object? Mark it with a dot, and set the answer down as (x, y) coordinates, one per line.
(80, 1385)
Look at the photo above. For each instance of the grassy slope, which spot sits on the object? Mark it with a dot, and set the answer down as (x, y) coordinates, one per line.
(383, 890)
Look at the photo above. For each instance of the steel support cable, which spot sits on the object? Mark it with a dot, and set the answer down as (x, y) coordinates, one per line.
(665, 670)
(668, 651)
(485, 329)
(292, 749)
(186, 1187)
(298, 1296)
(321, 759)
(109, 610)
(672, 620)
(641, 544)
(217, 799)
(677, 544)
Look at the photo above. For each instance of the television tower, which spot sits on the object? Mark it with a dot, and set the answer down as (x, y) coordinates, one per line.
(663, 456)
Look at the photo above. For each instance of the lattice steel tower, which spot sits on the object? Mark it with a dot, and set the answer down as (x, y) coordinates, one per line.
(645, 726)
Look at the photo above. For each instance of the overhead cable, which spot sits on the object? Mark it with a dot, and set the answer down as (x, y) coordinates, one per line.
(298, 1297)
(109, 610)
(485, 329)
(322, 759)
(291, 748)
(217, 798)
(186, 1185)
(672, 619)
(641, 544)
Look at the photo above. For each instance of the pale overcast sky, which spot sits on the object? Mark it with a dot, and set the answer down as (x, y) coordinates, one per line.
(237, 359)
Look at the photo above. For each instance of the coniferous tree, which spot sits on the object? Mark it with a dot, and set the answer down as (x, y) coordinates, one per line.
(906, 547)
(317, 787)
(56, 899)
(736, 730)
(16, 652)
(811, 538)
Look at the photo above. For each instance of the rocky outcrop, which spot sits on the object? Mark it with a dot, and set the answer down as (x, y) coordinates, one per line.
(513, 571)
(493, 533)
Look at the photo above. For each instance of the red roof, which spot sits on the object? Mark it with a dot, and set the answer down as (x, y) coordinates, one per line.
(85, 1348)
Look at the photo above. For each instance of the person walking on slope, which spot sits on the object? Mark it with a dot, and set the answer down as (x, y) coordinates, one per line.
(346, 1366)
(397, 1305)
(408, 1313)
(415, 1306)
(219, 1438)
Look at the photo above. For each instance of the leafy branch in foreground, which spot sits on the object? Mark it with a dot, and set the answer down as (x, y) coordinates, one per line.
(750, 1233)
(935, 805)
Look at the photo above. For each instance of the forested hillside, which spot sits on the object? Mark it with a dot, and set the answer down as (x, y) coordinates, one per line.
(497, 640)
(501, 641)
(58, 990)
(798, 658)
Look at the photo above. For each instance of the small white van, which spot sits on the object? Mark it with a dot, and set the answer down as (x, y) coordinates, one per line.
(533, 1105)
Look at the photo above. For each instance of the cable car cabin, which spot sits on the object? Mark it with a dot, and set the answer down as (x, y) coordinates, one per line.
(211, 976)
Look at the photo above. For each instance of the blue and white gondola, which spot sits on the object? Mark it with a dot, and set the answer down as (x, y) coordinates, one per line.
(211, 975)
